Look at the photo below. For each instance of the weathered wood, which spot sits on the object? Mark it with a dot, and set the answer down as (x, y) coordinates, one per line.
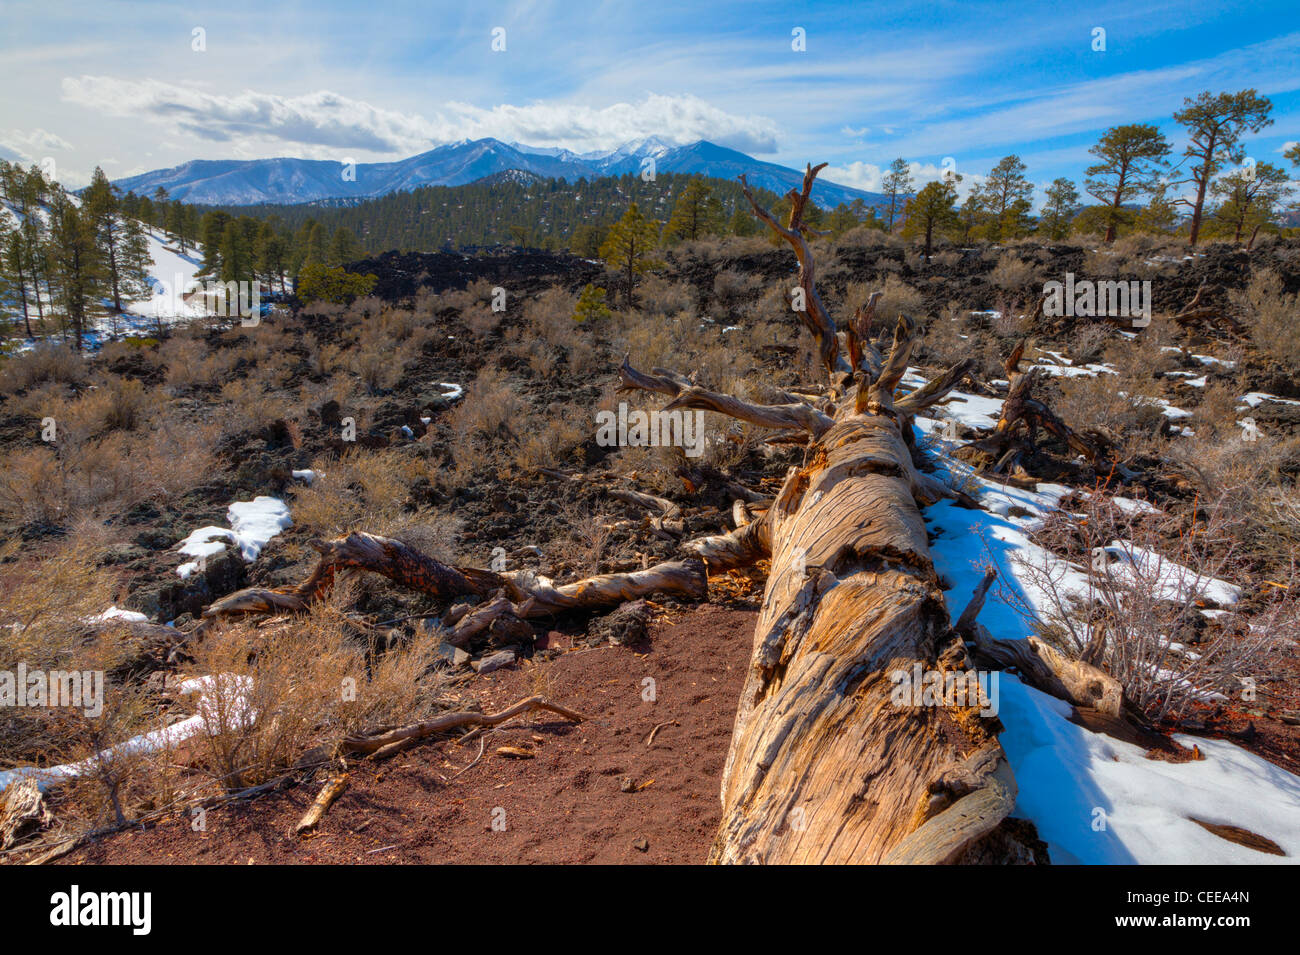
(826, 764)
(321, 804)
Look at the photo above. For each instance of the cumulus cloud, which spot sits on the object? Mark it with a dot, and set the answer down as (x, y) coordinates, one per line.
(323, 121)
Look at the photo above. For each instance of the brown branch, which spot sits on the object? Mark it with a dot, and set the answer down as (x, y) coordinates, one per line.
(321, 804)
(367, 744)
(687, 395)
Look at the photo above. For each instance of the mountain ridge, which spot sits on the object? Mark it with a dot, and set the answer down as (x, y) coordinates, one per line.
(286, 180)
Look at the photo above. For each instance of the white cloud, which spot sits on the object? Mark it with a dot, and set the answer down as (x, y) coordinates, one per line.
(868, 176)
(34, 145)
(324, 122)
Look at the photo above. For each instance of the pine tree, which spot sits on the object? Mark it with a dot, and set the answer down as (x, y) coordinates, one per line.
(1248, 200)
(315, 251)
(344, 247)
(591, 305)
(743, 222)
(159, 208)
(1131, 158)
(1006, 194)
(933, 207)
(79, 272)
(1215, 125)
(1061, 207)
(696, 213)
(176, 223)
(1159, 217)
(236, 256)
(212, 231)
(628, 248)
(101, 204)
(16, 271)
(896, 185)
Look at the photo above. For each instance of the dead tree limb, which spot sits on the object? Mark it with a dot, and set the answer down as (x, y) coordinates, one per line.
(321, 804)
(362, 745)
(520, 595)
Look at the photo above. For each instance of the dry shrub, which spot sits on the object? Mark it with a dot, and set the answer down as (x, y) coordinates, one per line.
(659, 297)
(361, 488)
(252, 408)
(1012, 274)
(49, 598)
(555, 441)
(947, 340)
(46, 362)
(1096, 404)
(864, 237)
(1273, 318)
(277, 691)
(732, 290)
(108, 474)
(490, 405)
(585, 545)
(1088, 343)
(430, 531)
(190, 365)
(897, 298)
(1136, 614)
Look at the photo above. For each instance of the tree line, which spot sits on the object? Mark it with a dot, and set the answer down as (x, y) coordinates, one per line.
(1134, 182)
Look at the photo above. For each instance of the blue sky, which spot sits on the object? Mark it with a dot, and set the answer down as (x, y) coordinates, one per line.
(120, 84)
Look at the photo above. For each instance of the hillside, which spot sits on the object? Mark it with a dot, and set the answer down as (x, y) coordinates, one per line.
(470, 425)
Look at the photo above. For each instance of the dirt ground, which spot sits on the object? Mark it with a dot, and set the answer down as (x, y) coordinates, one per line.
(567, 804)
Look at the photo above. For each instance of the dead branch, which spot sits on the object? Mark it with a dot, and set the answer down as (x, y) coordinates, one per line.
(813, 315)
(321, 804)
(684, 394)
(372, 744)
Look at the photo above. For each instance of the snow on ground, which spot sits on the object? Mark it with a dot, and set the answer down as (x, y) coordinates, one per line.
(113, 613)
(973, 411)
(1094, 799)
(170, 275)
(252, 524)
(231, 692)
(1255, 398)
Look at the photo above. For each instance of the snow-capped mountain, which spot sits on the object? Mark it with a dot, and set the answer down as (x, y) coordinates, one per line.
(255, 181)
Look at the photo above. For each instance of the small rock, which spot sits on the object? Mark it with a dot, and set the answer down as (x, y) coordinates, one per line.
(496, 661)
(641, 844)
(515, 752)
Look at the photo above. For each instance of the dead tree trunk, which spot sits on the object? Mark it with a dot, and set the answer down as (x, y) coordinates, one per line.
(826, 764)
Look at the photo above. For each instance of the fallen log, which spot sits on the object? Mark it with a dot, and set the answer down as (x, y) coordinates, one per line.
(824, 765)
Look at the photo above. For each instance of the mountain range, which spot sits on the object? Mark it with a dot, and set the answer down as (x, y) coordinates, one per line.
(293, 181)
